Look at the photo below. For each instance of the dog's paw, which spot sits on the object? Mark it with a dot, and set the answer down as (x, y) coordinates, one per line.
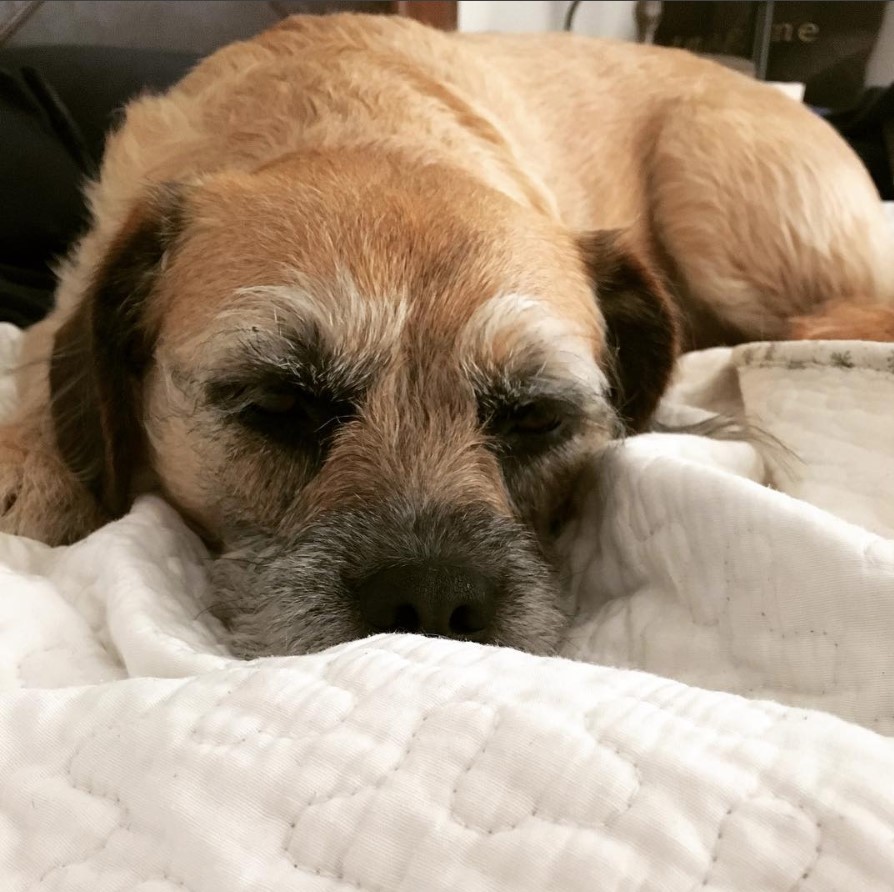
(40, 499)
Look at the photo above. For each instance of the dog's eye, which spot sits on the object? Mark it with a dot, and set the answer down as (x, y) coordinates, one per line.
(534, 420)
(275, 403)
(293, 413)
(528, 428)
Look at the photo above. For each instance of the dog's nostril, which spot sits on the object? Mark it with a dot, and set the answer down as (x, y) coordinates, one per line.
(434, 599)
(405, 618)
(468, 620)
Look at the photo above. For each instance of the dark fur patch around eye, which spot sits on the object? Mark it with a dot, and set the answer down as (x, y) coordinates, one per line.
(310, 421)
(523, 421)
(297, 403)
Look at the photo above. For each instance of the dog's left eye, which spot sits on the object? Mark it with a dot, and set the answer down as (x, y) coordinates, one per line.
(533, 419)
(276, 403)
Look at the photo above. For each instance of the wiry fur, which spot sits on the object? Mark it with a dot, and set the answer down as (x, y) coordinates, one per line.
(415, 231)
(257, 583)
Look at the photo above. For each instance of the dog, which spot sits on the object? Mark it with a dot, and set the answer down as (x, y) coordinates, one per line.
(362, 299)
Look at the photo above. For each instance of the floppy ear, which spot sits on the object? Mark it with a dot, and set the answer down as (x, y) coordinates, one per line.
(641, 325)
(101, 352)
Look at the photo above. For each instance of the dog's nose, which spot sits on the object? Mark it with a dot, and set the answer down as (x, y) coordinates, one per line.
(431, 599)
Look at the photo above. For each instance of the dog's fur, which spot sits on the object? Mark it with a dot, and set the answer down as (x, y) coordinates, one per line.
(331, 272)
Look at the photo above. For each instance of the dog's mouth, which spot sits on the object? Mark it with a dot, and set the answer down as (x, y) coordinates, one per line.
(466, 574)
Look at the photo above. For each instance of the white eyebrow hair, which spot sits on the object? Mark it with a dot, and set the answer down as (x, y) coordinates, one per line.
(334, 308)
(527, 330)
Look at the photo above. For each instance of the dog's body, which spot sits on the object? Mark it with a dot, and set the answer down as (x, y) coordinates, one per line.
(369, 322)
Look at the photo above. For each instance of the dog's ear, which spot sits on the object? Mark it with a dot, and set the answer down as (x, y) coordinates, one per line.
(641, 325)
(101, 352)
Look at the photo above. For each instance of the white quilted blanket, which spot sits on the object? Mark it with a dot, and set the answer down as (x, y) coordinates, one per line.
(136, 755)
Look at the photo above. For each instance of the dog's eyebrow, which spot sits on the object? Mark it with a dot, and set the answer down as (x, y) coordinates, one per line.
(521, 341)
(317, 334)
(517, 329)
(285, 360)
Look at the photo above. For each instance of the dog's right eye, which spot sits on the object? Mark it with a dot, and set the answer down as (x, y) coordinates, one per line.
(530, 427)
(294, 416)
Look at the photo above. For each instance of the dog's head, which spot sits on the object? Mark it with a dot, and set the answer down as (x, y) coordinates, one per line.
(370, 391)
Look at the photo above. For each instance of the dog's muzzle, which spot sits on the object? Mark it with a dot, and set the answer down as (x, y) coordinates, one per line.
(445, 571)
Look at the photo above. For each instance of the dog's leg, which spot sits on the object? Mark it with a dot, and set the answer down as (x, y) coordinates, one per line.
(39, 495)
(764, 215)
(848, 320)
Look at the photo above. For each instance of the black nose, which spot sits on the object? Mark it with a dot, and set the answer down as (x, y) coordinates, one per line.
(432, 599)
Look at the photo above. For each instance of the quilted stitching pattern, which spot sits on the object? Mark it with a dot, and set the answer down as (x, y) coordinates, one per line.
(845, 436)
(479, 780)
(441, 794)
(719, 582)
(135, 754)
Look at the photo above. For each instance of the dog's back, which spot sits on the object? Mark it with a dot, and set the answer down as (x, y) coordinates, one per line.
(752, 206)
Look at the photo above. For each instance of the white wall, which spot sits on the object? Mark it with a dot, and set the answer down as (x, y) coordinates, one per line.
(614, 18)
(880, 70)
(605, 19)
(609, 18)
(493, 15)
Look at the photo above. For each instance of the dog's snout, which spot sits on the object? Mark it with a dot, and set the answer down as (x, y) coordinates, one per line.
(431, 599)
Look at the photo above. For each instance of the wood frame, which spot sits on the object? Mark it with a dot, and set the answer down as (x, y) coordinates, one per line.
(437, 13)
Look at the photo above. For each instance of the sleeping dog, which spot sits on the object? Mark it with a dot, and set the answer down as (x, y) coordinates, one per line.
(361, 299)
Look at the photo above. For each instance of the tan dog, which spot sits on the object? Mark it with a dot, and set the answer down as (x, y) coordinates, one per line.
(360, 298)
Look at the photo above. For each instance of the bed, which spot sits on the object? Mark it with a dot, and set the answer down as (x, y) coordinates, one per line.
(720, 717)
